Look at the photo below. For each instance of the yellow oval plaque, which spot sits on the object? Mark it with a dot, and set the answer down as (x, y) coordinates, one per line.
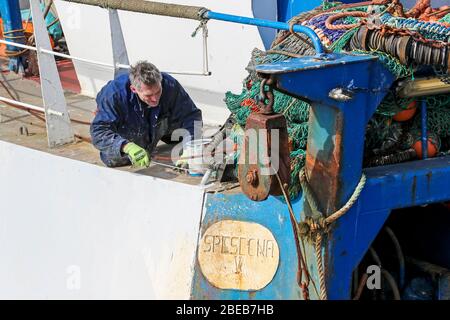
(238, 255)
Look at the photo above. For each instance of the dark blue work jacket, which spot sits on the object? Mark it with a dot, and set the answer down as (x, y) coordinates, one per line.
(122, 117)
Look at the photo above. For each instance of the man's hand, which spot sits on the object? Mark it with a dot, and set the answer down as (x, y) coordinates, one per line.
(137, 155)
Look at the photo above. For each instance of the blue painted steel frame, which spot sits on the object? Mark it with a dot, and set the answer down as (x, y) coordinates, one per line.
(12, 20)
(290, 8)
(337, 128)
(387, 188)
(336, 146)
(268, 10)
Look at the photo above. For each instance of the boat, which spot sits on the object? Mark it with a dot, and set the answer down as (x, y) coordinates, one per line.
(332, 224)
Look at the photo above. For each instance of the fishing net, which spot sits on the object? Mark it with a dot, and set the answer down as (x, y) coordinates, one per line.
(296, 112)
(386, 138)
(445, 19)
(432, 31)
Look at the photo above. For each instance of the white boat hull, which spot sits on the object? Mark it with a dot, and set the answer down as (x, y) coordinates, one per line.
(74, 230)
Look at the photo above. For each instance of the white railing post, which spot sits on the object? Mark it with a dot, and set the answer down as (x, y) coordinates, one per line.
(120, 55)
(59, 129)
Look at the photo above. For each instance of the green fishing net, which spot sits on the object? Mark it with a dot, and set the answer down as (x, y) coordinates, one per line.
(446, 19)
(296, 112)
(383, 133)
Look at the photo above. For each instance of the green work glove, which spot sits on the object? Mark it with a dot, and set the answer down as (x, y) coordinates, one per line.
(137, 155)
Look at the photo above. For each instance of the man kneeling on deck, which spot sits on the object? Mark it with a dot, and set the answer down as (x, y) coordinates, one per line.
(136, 110)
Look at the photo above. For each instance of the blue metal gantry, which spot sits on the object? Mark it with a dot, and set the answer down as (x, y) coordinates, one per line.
(334, 166)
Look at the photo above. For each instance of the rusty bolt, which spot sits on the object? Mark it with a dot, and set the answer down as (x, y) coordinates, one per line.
(252, 177)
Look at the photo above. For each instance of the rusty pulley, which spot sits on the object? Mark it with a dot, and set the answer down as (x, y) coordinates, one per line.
(265, 150)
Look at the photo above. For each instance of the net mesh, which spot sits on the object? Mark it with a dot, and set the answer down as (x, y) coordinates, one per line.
(383, 133)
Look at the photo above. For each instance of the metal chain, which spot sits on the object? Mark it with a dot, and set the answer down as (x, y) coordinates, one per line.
(266, 95)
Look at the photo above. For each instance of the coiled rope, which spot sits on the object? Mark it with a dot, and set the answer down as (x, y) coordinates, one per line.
(9, 35)
(313, 229)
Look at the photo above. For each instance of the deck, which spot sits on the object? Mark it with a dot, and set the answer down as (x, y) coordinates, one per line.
(22, 128)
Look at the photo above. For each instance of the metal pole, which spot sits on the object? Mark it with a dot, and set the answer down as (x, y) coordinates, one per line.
(59, 129)
(269, 24)
(62, 55)
(57, 54)
(205, 50)
(19, 45)
(120, 54)
(30, 106)
(109, 65)
(423, 118)
(197, 13)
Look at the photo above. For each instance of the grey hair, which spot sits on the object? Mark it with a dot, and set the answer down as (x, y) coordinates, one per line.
(144, 72)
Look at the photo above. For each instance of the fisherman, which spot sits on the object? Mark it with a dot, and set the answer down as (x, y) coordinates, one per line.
(136, 110)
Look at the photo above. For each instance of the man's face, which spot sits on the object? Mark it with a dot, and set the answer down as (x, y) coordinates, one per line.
(149, 94)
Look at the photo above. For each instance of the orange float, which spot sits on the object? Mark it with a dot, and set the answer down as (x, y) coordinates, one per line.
(248, 102)
(432, 148)
(406, 114)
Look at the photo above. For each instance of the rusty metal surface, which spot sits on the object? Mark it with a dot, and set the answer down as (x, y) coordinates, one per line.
(266, 95)
(335, 144)
(254, 183)
(323, 165)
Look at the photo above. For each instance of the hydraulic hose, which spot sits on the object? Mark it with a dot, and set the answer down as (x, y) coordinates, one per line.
(400, 256)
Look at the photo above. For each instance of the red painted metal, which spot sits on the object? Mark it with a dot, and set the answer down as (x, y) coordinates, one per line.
(68, 76)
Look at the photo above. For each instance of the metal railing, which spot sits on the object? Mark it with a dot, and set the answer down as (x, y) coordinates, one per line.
(205, 72)
(43, 49)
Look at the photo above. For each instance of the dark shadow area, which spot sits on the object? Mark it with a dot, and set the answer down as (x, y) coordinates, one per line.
(413, 251)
